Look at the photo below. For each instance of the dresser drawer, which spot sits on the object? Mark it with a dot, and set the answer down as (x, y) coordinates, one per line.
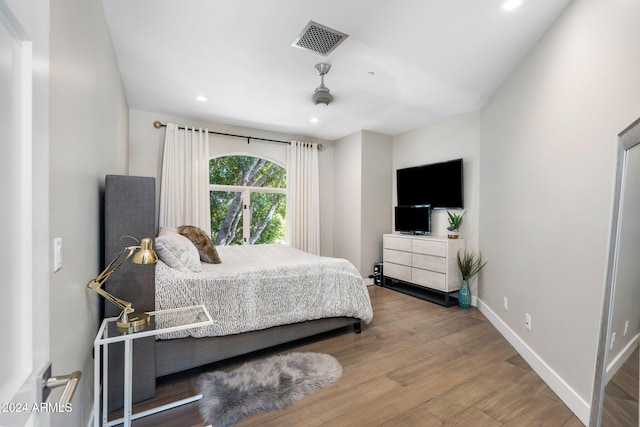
(397, 257)
(427, 278)
(400, 272)
(398, 243)
(429, 247)
(429, 262)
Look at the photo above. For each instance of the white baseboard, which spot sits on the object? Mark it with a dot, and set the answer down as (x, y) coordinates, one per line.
(577, 405)
(622, 357)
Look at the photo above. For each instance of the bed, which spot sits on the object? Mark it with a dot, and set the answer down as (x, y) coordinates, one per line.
(299, 296)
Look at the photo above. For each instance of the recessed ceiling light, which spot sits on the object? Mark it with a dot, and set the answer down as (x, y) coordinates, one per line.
(201, 98)
(510, 5)
(314, 120)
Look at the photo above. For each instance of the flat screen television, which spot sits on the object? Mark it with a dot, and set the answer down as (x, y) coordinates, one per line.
(438, 184)
(413, 219)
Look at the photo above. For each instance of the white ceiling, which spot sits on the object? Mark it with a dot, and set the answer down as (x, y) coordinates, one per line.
(430, 59)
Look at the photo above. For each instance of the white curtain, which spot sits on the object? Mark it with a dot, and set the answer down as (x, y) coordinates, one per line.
(303, 197)
(184, 183)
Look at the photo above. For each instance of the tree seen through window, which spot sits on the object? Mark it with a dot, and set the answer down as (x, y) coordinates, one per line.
(247, 199)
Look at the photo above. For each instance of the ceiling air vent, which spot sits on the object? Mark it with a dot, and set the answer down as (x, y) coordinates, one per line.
(318, 38)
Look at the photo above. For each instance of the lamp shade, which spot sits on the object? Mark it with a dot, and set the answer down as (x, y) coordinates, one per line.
(146, 254)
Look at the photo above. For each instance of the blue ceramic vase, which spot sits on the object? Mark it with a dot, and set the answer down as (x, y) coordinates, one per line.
(464, 295)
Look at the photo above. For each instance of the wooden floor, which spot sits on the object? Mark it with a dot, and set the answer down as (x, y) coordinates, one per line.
(416, 364)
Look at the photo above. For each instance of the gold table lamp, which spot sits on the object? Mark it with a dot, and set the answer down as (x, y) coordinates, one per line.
(143, 253)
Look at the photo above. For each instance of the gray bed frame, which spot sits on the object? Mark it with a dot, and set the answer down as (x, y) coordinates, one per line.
(129, 207)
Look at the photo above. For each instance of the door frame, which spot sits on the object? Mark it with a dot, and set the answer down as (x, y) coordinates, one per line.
(26, 23)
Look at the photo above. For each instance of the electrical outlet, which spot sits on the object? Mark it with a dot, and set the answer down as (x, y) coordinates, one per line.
(506, 304)
(527, 321)
(613, 340)
(626, 328)
(57, 254)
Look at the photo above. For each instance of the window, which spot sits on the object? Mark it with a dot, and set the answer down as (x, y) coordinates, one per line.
(248, 200)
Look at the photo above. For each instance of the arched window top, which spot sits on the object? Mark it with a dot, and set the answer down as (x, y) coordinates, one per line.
(246, 171)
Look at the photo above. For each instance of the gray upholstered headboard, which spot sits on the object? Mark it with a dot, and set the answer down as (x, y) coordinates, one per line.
(129, 210)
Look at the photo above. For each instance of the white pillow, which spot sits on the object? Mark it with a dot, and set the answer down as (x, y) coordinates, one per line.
(177, 251)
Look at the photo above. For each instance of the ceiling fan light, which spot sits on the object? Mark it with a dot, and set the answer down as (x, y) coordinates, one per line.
(322, 96)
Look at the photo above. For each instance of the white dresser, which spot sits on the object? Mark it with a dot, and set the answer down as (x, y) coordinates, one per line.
(422, 266)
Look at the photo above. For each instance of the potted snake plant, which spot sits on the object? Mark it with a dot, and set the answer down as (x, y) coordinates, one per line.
(455, 221)
(469, 265)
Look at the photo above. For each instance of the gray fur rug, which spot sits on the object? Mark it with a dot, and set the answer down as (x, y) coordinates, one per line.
(263, 385)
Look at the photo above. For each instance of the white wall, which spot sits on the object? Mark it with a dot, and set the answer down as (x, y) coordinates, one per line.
(547, 154)
(452, 138)
(362, 173)
(377, 151)
(88, 139)
(146, 147)
(347, 192)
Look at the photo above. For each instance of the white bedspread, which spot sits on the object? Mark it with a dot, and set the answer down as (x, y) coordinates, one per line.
(260, 286)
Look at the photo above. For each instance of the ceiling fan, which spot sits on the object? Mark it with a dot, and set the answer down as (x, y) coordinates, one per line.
(321, 95)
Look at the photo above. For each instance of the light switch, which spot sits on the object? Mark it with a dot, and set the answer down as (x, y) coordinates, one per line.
(57, 254)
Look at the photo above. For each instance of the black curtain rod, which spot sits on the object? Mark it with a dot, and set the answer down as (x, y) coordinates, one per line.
(159, 125)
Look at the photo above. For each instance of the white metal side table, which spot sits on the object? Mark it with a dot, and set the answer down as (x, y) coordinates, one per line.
(160, 322)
